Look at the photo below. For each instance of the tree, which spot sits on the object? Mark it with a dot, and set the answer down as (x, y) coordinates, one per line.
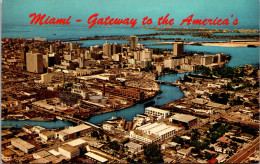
(195, 134)
(208, 155)
(153, 153)
(178, 139)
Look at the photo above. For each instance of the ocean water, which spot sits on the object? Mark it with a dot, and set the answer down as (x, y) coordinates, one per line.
(55, 32)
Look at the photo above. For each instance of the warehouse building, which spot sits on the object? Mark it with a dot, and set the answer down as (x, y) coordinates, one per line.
(69, 151)
(157, 112)
(73, 132)
(184, 119)
(47, 135)
(22, 145)
(153, 132)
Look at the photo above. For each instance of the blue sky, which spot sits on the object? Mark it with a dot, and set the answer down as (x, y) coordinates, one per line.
(16, 12)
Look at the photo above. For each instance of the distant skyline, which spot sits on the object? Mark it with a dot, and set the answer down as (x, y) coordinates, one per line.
(16, 12)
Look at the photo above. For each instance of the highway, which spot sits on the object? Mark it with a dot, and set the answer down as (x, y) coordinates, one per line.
(245, 152)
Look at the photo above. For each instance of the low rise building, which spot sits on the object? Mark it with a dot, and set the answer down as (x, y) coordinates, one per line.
(41, 154)
(109, 126)
(69, 151)
(80, 89)
(7, 155)
(79, 142)
(133, 147)
(184, 119)
(153, 132)
(157, 112)
(22, 145)
(47, 135)
(38, 129)
(73, 132)
(96, 157)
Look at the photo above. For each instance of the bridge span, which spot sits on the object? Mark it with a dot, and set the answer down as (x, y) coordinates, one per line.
(166, 82)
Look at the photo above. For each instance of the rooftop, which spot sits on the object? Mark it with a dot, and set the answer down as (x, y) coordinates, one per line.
(224, 139)
(76, 142)
(7, 153)
(133, 145)
(96, 157)
(199, 101)
(75, 129)
(48, 133)
(183, 117)
(42, 153)
(157, 110)
(23, 143)
(68, 148)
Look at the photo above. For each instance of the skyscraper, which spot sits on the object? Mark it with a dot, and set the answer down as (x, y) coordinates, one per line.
(34, 62)
(133, 42)
(107, 49)
(178, 49)
(116, 48)
(23, 51)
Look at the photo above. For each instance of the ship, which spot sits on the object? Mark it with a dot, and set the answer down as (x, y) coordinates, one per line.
(159, 97)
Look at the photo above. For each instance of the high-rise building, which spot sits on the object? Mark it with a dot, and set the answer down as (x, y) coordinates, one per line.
(146, 55)
(52, 48)
(107, 49)
(133, 42)
(48, 60)
(178, 49)
(24, 50)
(34, 62)
(116, 48)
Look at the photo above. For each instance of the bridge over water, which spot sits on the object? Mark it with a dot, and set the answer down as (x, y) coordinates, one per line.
(166, 82)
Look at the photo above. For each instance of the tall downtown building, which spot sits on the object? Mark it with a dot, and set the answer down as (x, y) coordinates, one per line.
(177, 49)
(133, 42)
(34, 62)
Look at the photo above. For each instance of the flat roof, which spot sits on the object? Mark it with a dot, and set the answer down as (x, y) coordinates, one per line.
(157, 110)
(48, 133)
(199, 101)
(157, 128)
(54, 152)
(7, 153)
(68, 148)
(75, 129)
(96, 157)
(42, 153)
(148, 126)
(25, 144)
(183, 117)
(169, 129)
(76, 142)
(217, 105)
(133, 145)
